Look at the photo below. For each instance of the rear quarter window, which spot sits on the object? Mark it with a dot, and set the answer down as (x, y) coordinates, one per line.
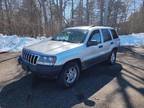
(106, 35)
(114, 34)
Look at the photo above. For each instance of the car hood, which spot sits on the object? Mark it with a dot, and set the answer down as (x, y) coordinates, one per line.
(51, 47)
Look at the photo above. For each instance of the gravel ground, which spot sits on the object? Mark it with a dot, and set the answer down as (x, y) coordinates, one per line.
(101, 86)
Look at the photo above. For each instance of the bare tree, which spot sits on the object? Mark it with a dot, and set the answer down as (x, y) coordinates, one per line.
(39, 17)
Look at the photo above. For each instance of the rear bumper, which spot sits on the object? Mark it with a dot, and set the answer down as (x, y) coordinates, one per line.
(41, 70)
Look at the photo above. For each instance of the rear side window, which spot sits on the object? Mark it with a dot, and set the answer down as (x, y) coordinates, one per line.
(106, 35)
(114, 34)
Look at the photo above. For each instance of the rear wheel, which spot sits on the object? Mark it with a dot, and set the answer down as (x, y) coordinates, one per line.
(112, 58)
(69, 74)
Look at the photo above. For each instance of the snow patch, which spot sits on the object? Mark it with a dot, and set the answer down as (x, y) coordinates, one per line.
(132, 39)
(14, 43)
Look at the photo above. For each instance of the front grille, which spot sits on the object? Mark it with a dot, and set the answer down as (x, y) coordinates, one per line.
(29, 56)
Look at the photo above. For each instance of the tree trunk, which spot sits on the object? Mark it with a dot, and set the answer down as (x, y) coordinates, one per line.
(87, 7)
(101, 11)
(106, 12)
(61, 14)
(45, 16)
(72, 12)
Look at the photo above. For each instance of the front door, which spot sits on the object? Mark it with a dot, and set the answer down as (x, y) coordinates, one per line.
(94, 51)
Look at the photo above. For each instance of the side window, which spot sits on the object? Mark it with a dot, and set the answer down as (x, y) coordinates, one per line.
(114, 34)
(106, 35)
(96, 36)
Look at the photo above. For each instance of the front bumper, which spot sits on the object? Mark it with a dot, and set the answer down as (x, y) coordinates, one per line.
(40, 70)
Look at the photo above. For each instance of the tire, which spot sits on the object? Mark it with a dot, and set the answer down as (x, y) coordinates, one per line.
(112, 58)
(69, 75)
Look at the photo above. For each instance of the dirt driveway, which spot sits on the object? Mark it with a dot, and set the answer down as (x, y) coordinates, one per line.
(101, 86)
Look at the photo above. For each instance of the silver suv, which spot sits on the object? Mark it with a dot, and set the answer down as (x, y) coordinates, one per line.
(71, 51)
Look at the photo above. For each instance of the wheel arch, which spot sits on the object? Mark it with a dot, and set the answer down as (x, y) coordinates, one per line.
(77, 60)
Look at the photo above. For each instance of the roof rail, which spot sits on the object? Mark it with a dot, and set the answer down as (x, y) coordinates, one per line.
(93, 25)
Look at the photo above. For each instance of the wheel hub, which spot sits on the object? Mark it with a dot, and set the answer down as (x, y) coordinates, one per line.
(113, 58)
(71, 74)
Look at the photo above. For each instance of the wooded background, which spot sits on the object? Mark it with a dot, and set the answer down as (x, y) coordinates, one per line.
(48, 17)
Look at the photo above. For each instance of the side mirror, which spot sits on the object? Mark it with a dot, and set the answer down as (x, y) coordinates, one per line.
(92, 43)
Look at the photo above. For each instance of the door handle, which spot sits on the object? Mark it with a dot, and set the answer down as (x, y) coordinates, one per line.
(112, 43)
(100, 46)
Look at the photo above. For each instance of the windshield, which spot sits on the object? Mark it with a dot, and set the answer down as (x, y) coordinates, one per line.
(71, 35)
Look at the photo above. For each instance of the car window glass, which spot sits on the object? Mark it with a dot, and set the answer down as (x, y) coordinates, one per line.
(71, 35)
(114, 34)
(106, 35)
(95, 36)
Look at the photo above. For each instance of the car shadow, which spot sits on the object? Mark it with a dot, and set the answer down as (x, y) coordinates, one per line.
(26, 93)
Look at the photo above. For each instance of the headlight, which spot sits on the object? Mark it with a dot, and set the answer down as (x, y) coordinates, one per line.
(46, 60)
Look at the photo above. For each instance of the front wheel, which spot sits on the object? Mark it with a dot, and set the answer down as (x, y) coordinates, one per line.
(69, 74)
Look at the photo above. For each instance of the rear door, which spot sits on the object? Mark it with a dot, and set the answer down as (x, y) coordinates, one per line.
(115, 38)
(107, 42)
